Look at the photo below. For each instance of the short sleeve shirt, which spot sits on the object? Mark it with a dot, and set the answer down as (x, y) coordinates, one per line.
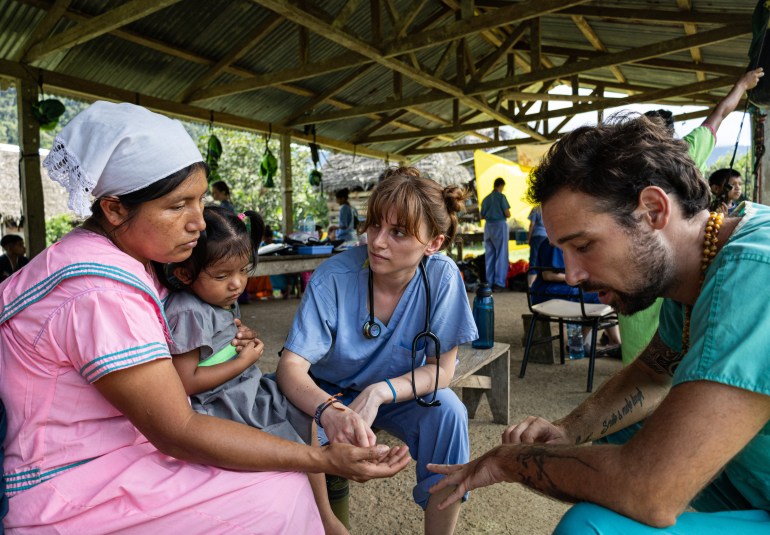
(536, 217)
(730, 337)
(328, 328)
(493, 206)
(701, 141)
(195, 324)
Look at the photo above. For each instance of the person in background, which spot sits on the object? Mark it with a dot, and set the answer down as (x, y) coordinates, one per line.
(551, 284)
(535, 237)
(686, 426)
(495, 210)
(353, 337)
(701, 140)
(220, 191)
(727, 190)
(346, 229)
(101, 437)
(13, 259)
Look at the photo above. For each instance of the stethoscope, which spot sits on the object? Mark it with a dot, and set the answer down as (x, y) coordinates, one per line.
(372, 330)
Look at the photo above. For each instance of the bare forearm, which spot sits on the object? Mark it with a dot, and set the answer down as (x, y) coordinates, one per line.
(627, 398)
(214, 441)
(597, 474)
(208, 377)
(425, 380)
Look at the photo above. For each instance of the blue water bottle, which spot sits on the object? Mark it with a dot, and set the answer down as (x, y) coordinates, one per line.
(575, 341)
(484, 316)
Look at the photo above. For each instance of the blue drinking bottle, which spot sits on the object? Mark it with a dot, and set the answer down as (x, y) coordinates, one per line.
(484, 316)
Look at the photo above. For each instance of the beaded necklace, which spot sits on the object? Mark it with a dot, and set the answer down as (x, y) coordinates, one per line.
(709, 252)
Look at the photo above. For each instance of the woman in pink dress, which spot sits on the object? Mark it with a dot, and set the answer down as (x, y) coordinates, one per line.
(101, 437)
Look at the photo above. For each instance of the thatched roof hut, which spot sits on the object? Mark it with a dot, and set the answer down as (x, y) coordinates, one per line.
(361, 174)
(10, 201)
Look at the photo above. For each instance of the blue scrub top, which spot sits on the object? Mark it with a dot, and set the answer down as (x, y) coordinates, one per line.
(328, 328)
(493, 206)
(730, 337)
(536, 217)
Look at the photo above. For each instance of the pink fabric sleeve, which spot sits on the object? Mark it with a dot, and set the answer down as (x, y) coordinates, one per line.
(104, 330)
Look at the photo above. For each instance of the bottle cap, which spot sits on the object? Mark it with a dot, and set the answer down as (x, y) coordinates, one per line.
(484, 290)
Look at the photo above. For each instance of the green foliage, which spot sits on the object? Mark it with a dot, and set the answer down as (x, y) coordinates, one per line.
(58, 226)
(238, 165)
(9, 123)
(242, 153)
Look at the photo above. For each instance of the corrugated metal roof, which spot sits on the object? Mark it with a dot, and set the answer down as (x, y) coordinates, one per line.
(165, 53)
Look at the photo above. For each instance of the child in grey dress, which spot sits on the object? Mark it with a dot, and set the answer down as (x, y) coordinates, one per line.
(201, 316)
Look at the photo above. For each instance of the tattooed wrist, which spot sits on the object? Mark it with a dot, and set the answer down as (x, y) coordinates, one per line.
(631, 402)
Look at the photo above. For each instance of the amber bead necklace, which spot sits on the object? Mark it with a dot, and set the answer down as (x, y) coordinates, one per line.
(710, 239)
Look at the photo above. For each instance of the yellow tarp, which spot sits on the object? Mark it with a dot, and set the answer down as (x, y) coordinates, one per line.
(488, 168)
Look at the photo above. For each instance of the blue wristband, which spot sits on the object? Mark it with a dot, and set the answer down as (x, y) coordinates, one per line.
(391, 389)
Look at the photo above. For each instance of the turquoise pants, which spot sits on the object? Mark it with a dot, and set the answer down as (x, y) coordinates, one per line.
(588, 518)
(721, 509)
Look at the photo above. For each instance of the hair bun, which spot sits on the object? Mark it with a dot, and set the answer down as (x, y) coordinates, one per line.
(454, 197)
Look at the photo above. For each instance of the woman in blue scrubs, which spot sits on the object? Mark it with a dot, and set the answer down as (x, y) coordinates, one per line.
(341, 343)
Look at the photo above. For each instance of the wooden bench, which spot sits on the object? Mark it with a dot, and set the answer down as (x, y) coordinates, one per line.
(493, 365)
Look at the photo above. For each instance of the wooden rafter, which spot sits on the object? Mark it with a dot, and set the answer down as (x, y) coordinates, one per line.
(115, 18)
(78, 88)
(44, 27)
(691, 28)
(618, 58)
(597, 60)
(236, 53)
(591, 36)
(317, 22)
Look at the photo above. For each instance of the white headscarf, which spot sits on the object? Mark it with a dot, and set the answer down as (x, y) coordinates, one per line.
(114, 149)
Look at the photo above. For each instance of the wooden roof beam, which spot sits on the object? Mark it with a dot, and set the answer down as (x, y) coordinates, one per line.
(649, 96)
(455, 30)
(633, 15)
(317, 22)
(606, 60)
(72, 86)
(115, 18)
(591, 36)
(43, 28)
(329, 93)
(236, 53)
(691, 29)
(344, 61)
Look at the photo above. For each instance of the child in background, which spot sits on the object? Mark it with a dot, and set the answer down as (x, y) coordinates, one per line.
(219, 381)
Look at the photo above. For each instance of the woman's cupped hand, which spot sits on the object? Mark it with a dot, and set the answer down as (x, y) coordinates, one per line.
(363, 464)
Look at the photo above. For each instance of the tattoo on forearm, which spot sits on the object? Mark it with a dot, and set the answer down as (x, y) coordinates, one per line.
(627, 408)
(533, 461)
(580, 440)
(660, 358)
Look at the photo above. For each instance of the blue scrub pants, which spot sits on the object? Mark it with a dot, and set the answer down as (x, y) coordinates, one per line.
(433, 434)
(496, 252)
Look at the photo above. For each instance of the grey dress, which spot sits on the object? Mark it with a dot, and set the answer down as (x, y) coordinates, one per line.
(249, 398)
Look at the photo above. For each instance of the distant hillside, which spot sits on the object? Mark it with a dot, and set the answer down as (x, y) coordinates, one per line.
(719, 152)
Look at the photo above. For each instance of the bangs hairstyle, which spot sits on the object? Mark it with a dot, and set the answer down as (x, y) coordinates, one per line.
(614, 161)
(226, 236)
(416, 199)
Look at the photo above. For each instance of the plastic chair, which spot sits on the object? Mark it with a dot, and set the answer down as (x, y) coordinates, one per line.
(561, 309)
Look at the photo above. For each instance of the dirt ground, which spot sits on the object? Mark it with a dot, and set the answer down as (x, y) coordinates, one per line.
(385, 507)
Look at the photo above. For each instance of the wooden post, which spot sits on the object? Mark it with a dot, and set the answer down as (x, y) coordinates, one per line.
(286, 185)
(32, 205)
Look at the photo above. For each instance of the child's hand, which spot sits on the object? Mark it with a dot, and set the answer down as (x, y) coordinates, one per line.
(252, 351)
(244, 337)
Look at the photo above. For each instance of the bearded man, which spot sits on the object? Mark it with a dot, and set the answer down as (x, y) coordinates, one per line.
(686, 424)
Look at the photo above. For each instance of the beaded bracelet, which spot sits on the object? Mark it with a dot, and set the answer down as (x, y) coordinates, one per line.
(325, 405)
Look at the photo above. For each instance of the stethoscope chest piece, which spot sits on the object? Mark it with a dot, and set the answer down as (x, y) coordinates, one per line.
(371, 329)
